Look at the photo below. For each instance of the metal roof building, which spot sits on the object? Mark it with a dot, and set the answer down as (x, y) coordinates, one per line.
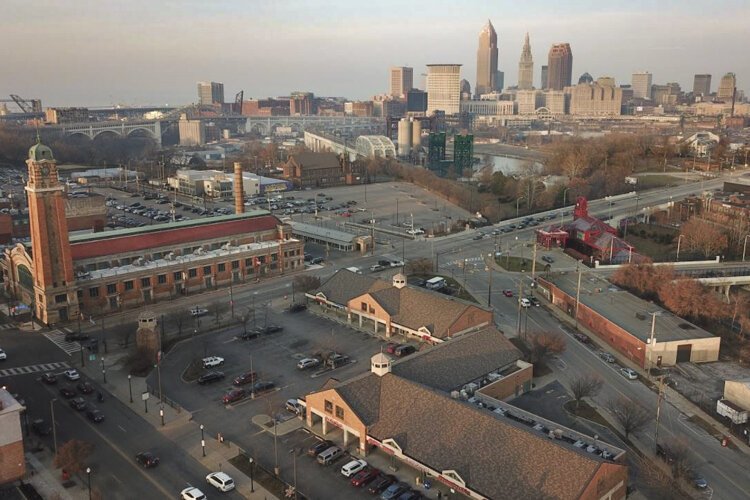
(333, 238)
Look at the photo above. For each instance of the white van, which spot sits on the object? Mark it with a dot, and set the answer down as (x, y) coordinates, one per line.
(435, 283)
(330, 455)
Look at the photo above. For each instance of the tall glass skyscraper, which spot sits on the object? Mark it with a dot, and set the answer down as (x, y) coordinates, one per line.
(486, 61)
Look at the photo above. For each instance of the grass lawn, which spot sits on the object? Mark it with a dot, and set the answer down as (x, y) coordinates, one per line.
(585, 411)
(518, 264)
(656, 180)
(648, 245)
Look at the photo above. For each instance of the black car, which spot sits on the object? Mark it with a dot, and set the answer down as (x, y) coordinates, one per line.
(318, 448)
(41, 427)
(49, 378)
(210, 377)
(410, 495)
(85, 388)
(70, 337)
(297, 307)
(394, 491)
(260, 387)
(381, 483)
(404, 350)
(271, 329)
(78, 404)
(147, 459)
(250, 335)
(67, 392)
(95, 415)
(317, 260)
(548, 259)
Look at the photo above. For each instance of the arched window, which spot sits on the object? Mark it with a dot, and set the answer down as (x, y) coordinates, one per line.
(24, 277)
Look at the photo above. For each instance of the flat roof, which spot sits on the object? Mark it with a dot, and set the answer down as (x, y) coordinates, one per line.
(628, 311)
(152, 228)
(320, 232)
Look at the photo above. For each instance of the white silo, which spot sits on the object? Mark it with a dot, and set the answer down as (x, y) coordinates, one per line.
(416, 134)
(404, 137)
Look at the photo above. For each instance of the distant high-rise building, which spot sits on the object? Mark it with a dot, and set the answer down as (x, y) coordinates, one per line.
(702, 85)
(544, 78)
(526, 66)
(591, 99)
(210, 93)
(443, 88)
(529, 101)
(560, 66)
(555, 101)
(465, 89)
(606, 81)
(726, 87)
(486, 61)
(585, 78)
(642, 85)
(302, 104)
(416, 101)
(499, 80)
(402, 80)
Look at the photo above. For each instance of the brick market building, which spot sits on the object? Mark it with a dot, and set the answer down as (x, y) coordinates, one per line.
(61, 277)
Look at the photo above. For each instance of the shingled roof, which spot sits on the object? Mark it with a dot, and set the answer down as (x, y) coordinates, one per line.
(452, 364)
(344, 285)
(311, 160)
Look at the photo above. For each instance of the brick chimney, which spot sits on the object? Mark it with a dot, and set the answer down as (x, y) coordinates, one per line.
(239, 189)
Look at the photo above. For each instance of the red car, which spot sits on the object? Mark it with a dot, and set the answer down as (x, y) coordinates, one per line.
(233, 395)
(365, 477)
(391, 347)
(508, 293)
(245, 378)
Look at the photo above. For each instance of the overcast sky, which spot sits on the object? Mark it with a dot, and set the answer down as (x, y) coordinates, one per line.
(102, 52)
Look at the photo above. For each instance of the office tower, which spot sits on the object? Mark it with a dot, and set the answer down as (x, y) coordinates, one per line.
(592, 99)
(529, 101)
(560, 66)
(302, 104)
(726, 87)
(210, 93)
(554, 101)
(499, 80)
(402, 80)
(606, 81)
(526, 67)
(642, 85)
(416, 101)
(544, 77)
(486, 61)
(465, 89)
(463, 152)
(443, 88)
(702, 85)
(585, 78)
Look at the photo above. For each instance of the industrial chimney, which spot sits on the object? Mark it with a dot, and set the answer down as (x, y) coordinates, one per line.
(239, 189)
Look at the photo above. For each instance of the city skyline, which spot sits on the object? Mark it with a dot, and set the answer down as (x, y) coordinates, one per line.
(113, 48)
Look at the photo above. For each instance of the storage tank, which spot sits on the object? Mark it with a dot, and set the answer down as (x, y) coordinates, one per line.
(416, 134)
(404, 137)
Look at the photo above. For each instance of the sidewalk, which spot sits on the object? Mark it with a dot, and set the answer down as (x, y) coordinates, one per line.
(47, 480)
(178, 425)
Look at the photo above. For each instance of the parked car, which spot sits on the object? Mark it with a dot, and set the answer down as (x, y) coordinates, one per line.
(72, 374)
(294, 406)
(410, 495)
(297, 307)
(629, 373)
(365, 477)
(95, 415)
(261, 387)
(268, 329)
(233, 396)
(212, 361)
(699, 482)
(85, 388)
(404, 350)
(41, 427)
(212, 376)
(250, 334)
(245, 378)
(548, 259)
(192, 493)
(305, 363)
(534, 301)
(607, 357)
(391, 347)
(525, 302)
(584, 339)
(394, 491)
(380, 483)
(351, 468)
(508, 293)
(376, 267)
(3, 356)
(49, 378)
(318, 448)
(221, 481)
(197, 312)
(78, 404)
(337, 360)
(329, 455)
(317, 260)
(67, 392)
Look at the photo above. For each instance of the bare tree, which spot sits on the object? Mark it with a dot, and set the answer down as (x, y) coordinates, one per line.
(631, 416)
(703, 236)
(304, 283)
(179, 318)
(421, 265)
(218, 308)
(72, 455)
(545, 344)
(678, 454)
(587, 385)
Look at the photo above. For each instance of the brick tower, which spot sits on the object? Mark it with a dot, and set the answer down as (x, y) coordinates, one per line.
(54, 282)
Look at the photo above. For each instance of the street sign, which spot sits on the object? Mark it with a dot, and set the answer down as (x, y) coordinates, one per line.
(145, 396)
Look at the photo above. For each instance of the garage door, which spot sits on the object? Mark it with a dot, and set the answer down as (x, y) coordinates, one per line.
(683, 353)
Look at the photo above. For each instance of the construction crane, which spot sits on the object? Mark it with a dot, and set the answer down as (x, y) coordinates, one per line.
(26, 105)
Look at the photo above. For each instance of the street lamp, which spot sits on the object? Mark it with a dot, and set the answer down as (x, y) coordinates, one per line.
(203, 442)
(104, 371)
(679, 240)
(517, 202)
(88, 473)
(130, 387)
(252, 484)
(562, 212)
(293, 453)
(744, 247)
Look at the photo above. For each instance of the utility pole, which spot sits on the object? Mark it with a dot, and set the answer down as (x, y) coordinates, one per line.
(651, 344)
(533, 263)
(578, 294)
(518, 320)
(658, 411)
(489, 288)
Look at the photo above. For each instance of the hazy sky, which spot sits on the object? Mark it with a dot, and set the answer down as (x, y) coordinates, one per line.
(98, 53)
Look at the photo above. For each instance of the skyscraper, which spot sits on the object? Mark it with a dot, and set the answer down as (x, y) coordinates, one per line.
(560, 66)
(486, 61)
(544, 77)
(402, 80)
(526, 67)
(702, 85)
(642, 85)
(443, 88)
(210, 93)
(726, 87)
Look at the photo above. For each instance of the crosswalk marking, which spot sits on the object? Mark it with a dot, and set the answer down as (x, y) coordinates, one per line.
(58, 338)
(25, 370)
(6, 326)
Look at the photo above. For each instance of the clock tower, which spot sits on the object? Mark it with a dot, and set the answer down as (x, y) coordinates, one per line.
(55, 297)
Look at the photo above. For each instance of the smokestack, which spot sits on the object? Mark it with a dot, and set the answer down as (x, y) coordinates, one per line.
(239, 189)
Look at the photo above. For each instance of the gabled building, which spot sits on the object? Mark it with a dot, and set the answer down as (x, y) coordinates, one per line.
(314, 170)
(396, 308)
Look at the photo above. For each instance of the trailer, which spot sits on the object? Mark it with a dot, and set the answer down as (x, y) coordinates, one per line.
(733, 412)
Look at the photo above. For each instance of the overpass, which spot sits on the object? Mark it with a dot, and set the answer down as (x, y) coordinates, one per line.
(725, 283)
(337, 125)
(151, 128)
